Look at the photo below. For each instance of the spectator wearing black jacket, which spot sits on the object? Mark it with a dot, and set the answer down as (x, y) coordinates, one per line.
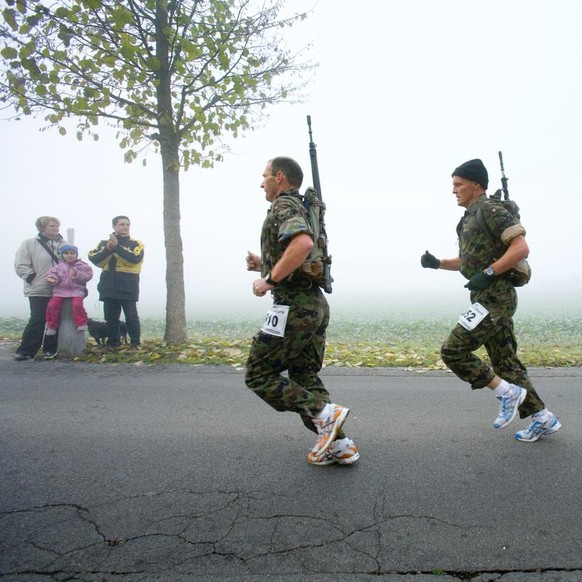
(120, 257)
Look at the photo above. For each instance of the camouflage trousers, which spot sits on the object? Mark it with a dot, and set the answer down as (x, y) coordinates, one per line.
(496, 334)
(300, 353)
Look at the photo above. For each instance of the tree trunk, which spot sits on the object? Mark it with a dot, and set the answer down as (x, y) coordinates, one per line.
(170, 146)
(175, 294)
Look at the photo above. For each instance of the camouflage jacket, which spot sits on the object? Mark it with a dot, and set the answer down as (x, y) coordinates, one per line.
(476, 249)
(285, 219)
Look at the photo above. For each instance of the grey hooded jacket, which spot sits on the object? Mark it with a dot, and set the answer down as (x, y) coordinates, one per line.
(33, 262)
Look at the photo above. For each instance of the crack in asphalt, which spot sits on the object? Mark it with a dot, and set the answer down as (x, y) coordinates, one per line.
(223, 525)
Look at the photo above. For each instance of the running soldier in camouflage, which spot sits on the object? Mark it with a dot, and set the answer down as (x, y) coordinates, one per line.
(292, 338)
(489, 320)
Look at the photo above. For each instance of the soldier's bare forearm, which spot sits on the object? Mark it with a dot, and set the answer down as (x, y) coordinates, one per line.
(450, 264)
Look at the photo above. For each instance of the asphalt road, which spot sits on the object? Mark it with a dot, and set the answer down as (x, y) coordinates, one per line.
(174, 473)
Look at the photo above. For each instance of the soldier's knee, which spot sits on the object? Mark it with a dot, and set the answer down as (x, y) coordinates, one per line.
(256, 377)
(448, 355)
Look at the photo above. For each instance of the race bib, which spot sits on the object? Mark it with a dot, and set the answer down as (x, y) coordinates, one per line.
(473, 316)
(276, 320)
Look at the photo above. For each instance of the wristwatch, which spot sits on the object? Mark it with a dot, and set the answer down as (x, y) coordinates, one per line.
(270, 281)
(489, 272)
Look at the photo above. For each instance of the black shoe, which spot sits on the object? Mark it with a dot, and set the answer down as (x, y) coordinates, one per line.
(50, 355)
(19, 357)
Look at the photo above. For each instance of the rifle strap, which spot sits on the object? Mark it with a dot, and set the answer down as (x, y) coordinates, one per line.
(483, 224)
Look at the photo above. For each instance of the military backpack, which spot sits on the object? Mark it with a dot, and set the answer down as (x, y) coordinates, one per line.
(318, 260)
(520, 275)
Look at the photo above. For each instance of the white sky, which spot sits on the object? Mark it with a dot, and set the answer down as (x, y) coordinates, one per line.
(404, 93)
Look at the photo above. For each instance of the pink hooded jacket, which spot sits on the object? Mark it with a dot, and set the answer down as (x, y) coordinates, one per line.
(66, 285)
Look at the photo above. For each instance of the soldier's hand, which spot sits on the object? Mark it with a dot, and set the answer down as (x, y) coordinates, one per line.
(253, 262)
(480, 281)
(429, 261)
(260, 287)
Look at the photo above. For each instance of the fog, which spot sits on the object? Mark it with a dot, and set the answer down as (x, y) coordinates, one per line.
(403, 94)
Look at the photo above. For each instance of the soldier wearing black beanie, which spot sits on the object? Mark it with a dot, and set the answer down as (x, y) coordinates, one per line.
(485, 256)
(473, 170)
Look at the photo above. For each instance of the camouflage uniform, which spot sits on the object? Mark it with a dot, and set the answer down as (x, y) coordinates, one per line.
(301, 351)
(495, 332)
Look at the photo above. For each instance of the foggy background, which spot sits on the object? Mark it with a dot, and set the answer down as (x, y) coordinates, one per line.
(403, 94)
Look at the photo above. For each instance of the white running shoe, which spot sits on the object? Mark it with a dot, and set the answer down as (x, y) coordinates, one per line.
(342, 451)
(508, 405)
(538, 428)
(328, 426)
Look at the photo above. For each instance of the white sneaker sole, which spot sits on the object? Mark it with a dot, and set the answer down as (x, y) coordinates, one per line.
(547, 433)
(350, 460)
(333, 460)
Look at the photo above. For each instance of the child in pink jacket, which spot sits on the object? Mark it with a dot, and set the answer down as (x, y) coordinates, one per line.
(69, 278)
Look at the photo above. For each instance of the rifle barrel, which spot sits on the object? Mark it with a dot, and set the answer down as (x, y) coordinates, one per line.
(322, 242)
(313, 157)
(503, 178)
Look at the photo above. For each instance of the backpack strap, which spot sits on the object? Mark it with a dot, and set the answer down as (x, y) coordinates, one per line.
(54, 257)
(480, 219)
(483, 224)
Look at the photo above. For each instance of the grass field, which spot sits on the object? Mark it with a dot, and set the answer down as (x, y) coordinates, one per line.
(391, 341)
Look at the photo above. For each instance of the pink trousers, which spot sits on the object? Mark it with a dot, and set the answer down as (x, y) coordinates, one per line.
(53, 311)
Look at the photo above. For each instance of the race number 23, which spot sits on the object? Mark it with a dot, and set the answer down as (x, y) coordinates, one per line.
(276, 320)
(473, 316)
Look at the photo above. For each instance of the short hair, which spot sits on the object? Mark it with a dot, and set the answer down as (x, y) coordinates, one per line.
(42, 221)
(290, 168)
(118, 218)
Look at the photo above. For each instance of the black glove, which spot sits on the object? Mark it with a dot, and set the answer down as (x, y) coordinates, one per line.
(480, 281)
(31, 278)
(429, 261)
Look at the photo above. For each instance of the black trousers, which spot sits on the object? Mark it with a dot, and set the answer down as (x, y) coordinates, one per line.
(112, 310)
(33, 335)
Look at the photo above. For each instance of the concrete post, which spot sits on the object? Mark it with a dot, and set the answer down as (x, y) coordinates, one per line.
(72, 343)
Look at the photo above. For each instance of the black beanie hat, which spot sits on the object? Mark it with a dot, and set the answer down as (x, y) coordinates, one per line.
(473, 170)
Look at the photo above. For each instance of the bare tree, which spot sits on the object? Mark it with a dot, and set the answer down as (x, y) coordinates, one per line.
(176, 76)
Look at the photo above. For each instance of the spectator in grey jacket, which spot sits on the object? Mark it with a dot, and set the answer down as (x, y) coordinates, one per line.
(35, 257)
